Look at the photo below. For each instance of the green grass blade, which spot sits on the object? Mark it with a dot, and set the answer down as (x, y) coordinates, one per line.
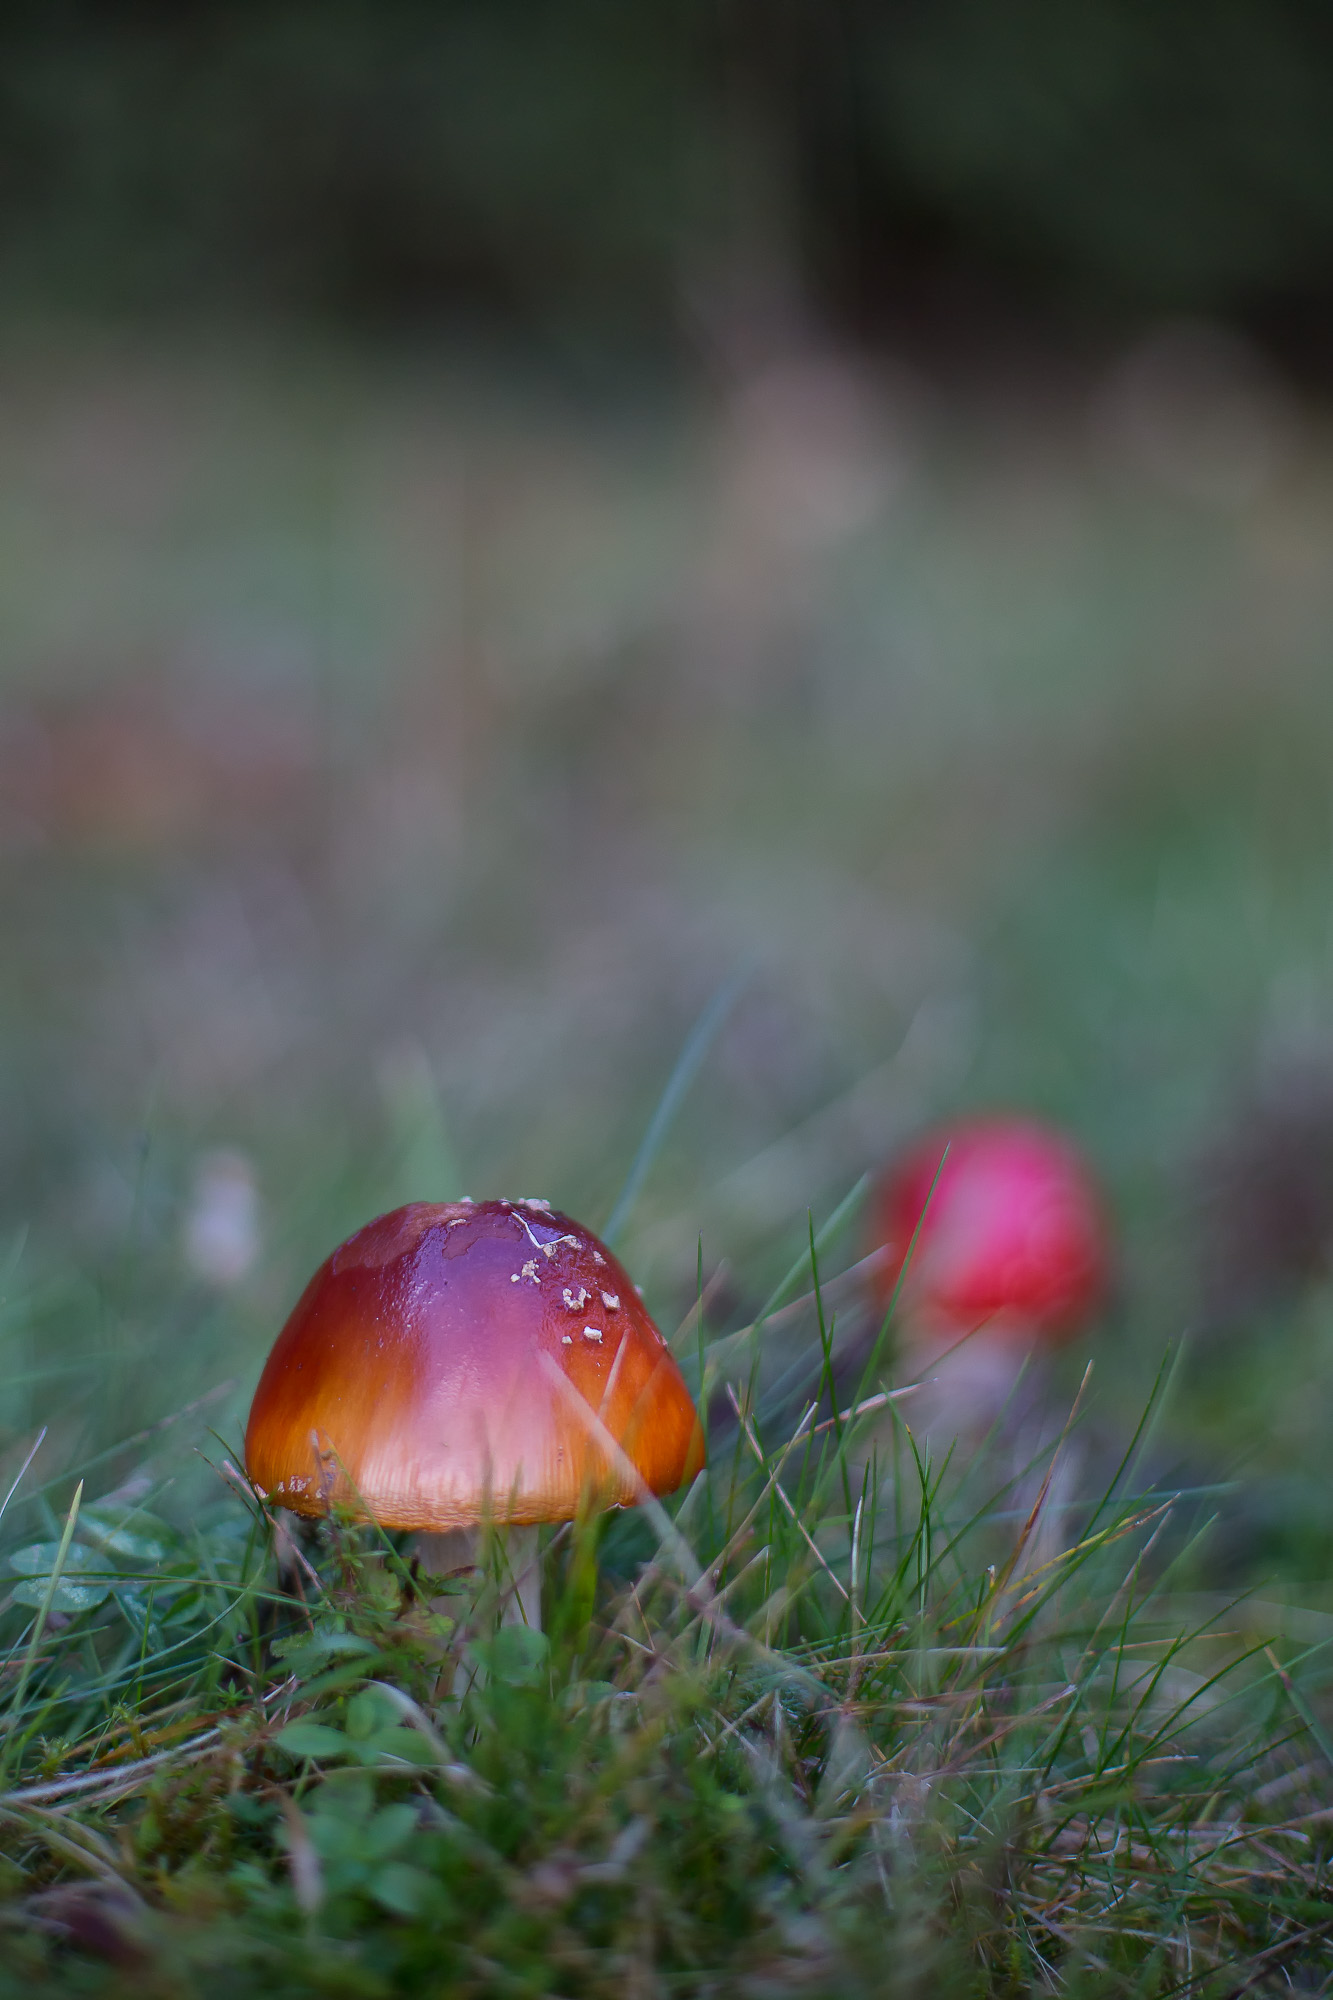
(43, 1613)
(688, 1064)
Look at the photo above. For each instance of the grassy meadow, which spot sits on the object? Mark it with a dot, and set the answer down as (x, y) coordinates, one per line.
(430, 774)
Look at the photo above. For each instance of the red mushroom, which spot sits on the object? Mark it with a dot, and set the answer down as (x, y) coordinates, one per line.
(1013, 1245)
(467, 1363)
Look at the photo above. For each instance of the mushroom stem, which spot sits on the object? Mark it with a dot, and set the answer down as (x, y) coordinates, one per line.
(454, 1549)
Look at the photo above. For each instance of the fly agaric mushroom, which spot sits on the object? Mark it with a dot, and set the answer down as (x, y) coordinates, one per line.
(1012, 1249)
(468, 1363)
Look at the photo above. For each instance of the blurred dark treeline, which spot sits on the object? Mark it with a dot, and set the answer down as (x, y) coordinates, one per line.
(609, 163)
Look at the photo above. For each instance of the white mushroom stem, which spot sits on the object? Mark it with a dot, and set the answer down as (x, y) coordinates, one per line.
(453, 1549)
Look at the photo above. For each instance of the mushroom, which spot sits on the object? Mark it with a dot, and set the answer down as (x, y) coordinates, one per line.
(469, 1364)
(1011, 1251)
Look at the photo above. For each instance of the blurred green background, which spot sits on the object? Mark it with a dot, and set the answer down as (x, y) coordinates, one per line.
(514, 517)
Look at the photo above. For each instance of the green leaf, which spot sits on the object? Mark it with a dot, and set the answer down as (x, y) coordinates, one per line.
(336, 1837)
(322, 1643)
(516, 1654)
(306, 1652)
(368, 1712)
(404, 1890)
(346, 1793)
(391, 1828)
(313, 1739)
(66, 1597)
(85, 1579)
(404, 1746)
(140, 1550)
(40, 1558)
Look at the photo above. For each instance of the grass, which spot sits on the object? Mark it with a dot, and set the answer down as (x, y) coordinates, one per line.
(839, 1720)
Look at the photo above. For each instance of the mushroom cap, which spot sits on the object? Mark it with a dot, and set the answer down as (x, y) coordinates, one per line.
(1014, 1239)
(467, 1361)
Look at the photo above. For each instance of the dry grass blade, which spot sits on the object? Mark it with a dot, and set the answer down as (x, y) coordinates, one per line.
(773, 1484)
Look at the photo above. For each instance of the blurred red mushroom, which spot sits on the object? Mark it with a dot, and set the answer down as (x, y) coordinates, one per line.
(1012, 1242)
(471, 1363)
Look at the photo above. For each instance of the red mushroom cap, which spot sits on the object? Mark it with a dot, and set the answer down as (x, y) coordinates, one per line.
(1013, 1239)
(470, 1361)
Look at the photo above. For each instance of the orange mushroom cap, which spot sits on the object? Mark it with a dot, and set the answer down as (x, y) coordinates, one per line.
(468, 1361)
